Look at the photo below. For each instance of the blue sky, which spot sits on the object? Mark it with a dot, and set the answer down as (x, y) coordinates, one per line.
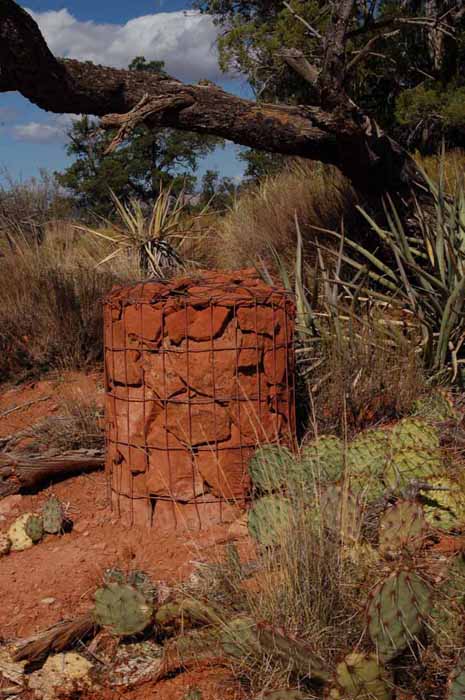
(110, 32)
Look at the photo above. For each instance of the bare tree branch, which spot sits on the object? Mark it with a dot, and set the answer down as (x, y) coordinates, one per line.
(297, 61)
(314, 32)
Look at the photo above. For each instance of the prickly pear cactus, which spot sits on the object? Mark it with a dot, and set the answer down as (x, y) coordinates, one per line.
(53, 516)
(185, 613)
(269, 467)
(122, 608)
(323, 460)
(239, 638)
(367, 456)
(402, 527)
(35, 528)
(341, 511)
(415, 453)
(361, 676)
(143, 583)
(396, 611)
(296, 655)
(18, 536)
(445, 507)
(456, 682)
(5, 545)
(436, 407)
(268, 518)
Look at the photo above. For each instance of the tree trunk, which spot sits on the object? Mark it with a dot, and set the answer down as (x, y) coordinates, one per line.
(339, 134)
(23, 473)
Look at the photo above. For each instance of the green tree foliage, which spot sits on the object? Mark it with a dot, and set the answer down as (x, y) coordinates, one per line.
(216, 191)
(137, 168)
(410, 79)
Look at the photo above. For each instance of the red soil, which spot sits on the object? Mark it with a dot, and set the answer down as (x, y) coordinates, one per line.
(68, 568)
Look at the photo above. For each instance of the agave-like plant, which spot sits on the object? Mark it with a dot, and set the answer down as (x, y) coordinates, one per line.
(428, 277)
(157, 238)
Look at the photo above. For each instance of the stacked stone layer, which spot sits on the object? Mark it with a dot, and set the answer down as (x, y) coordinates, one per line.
(198, 372)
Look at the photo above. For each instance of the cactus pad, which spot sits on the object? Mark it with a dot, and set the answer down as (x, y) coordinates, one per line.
(396, 611)
(456, 682)
(437, 407)
(323, 460)
(444, 508)
(415, 453)
(268, 518)
(122, 608)
(269, 467)
(341, 511)
(34, 528)
(53, 516)
(17, 534)
(5, 544)
(402, 528)
(239, 638)
(361, 676)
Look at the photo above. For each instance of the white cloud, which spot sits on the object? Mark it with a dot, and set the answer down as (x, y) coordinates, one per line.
(184, 40)
(40, 132)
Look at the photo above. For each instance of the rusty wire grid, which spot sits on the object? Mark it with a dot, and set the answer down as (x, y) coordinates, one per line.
(197, 372)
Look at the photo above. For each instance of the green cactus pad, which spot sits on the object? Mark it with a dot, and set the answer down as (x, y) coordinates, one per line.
(395, 613)
(122, 608)
(402, 528)
(53, 516)
(444, 508)
(34, 528)
(296, 655)
(341, 512)
(415, 453)
(268, 518)
(270, 466)
(239, 638)
(437, 407)
(456, 682)
(323, 460)
(184, 613)
(367, 456)
(361, 676)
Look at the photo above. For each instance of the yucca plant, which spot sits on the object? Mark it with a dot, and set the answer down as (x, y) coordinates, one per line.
(158, 239)
(428, 275)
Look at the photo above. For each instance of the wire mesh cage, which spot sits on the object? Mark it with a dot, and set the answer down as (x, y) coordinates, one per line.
(198, 372)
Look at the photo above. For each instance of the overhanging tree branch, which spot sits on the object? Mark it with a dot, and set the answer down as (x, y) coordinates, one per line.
(336, 133)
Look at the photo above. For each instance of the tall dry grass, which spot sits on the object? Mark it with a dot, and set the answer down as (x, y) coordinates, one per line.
(50, 311)
(265, 216)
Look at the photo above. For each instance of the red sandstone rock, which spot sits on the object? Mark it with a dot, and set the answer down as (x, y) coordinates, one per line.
(144, 322)
(207, 511)
(225, 470)
(196, 423)
(152, 439)
(124, 367)
(257, 319)
(174, 474)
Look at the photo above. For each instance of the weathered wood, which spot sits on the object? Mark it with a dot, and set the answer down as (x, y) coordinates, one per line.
(55, 639)
(338, 134)
(26, 472)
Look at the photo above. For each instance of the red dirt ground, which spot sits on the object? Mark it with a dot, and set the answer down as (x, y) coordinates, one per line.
(68, 568)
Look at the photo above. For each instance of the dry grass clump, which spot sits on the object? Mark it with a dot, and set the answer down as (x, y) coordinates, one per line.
(51, 315)
(78, 424)
(361, 375)
(318, 194)
(452, 164)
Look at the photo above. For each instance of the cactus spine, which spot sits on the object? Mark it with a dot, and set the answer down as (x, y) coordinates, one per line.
(402, 528)
(396, 611)
(122, 608)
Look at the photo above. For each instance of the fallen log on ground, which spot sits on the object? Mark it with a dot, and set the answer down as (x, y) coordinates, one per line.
(58, 638)
(25, 472)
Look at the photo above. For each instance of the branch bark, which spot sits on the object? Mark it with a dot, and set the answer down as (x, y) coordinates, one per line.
(19, 473)
(335, 134)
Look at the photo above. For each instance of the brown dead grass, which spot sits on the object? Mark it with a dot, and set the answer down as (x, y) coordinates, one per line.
(317, 194)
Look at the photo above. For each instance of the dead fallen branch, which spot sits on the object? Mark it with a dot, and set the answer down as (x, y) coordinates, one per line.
(58, 638)
(23, 406)
(25, 472)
